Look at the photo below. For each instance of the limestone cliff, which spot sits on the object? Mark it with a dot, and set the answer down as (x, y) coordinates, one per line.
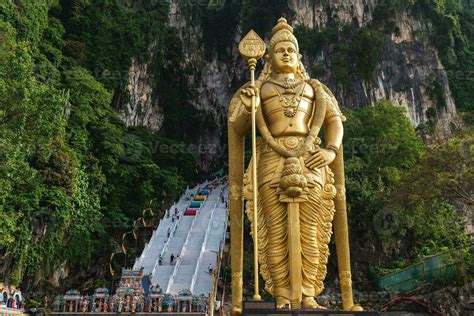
(143, 107)
(407, 71)
(407, 67)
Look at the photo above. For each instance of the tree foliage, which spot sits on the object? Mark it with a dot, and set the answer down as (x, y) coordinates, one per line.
(401, 193)
(69, 166)
(380, 145)
(452, 35)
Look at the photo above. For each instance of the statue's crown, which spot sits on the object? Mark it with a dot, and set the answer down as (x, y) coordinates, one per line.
(282, 32)
(282, 25)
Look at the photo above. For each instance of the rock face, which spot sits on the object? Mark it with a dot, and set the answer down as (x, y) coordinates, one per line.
(143, 107)
(317, 14)
(407, 68)
(406, 71)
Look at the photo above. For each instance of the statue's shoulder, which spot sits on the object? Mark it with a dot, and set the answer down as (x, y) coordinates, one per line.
(322, 92)
(235, 106)
(315, 83)
(267, 88)
(320, 89)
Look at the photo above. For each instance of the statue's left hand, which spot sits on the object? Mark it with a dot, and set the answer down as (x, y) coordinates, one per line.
(320, 158)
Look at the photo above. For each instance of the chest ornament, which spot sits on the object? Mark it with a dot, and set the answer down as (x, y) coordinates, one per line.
(289, 100)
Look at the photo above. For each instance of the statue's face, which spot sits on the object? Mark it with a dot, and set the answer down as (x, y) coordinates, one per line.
(285, 57)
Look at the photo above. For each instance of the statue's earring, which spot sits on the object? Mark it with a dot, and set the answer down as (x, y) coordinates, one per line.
(267, 69)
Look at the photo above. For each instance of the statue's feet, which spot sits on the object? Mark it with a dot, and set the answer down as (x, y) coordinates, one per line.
(282, 303)
(310, 303)
(356, 308)
(236, 311)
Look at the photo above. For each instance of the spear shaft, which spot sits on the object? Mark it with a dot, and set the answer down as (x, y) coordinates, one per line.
(252, 48)
(252, 64)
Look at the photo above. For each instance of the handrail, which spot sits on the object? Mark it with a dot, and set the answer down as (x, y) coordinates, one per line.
(203, 247)
(155, 232)
(193, 279)
(139, 259)
(183, 249)
(212, 295)
(146, 248)
(218, 264)
(221, 246)
(165, 247)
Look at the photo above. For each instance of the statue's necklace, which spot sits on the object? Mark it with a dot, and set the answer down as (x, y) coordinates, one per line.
(288, 84)
(290, 104)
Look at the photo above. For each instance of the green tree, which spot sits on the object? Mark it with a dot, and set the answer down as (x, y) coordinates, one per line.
(425, 197)
(380, 145)
(68, 165)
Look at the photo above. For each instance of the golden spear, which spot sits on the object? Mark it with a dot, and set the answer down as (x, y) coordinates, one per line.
(252, 48)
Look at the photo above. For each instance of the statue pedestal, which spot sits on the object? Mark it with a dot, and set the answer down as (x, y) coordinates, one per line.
(262, 308)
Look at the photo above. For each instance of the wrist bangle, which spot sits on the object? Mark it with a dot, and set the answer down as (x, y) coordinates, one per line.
(247, 111)
(333, 148)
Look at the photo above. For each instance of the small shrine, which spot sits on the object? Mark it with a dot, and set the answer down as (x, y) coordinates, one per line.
(184, 301)
(200, 303)
(72, 301)
(155, 297)
(101, 297)
(169, 302)
(58, 303)
(130, 295)
(10, 297)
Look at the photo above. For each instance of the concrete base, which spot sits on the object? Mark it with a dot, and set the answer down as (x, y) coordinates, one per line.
(263, 308)
(4, 311)
(134, 314)
(304, 312)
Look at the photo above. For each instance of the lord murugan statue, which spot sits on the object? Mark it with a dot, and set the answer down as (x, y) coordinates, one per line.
(301, 190)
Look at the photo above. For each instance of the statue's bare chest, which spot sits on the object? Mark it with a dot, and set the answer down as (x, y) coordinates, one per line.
(287, 110)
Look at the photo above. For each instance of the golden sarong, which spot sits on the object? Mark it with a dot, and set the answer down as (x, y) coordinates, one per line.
(315, 214)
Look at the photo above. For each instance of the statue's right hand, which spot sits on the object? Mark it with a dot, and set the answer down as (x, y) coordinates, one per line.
(246, 97)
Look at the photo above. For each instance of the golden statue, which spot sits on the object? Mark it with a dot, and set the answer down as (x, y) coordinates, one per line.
(301, 190)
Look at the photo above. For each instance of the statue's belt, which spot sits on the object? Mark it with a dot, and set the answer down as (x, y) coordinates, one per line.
(289, 142)
(313, 177)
